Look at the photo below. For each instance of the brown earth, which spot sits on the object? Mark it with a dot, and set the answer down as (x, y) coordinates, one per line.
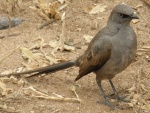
(78, 23)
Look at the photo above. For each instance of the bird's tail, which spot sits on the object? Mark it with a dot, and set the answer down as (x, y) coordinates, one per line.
(47, 69)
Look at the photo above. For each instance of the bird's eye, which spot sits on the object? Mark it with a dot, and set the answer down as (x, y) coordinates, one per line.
(123, 15)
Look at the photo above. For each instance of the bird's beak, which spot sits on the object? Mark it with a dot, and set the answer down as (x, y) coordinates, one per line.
(134, 16)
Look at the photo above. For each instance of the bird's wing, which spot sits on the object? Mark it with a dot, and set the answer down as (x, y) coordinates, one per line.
(95, 57)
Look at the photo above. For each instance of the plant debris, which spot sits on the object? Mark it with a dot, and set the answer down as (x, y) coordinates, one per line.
(56, 45)
(88, 38)
(138, 98)
(11, 7)
(39, 94)
(3, 89)
(97, 9)
(46, 10)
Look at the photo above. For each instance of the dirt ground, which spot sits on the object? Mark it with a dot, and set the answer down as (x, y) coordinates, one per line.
(134, 81)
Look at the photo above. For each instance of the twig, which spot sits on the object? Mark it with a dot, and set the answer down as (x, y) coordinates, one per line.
(143, 50)
(38, 92)
(46, 24)
(74, 90)
(50, 59)
(61, 40)
(59, 97)
(15, 34)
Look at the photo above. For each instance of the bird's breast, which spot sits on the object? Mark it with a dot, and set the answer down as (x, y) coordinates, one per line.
(122, 53)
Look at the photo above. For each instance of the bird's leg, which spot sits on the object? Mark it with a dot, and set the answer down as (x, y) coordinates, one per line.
(116, 93)
(107, 102)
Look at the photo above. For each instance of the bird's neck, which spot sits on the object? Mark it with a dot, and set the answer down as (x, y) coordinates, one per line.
(117, 25)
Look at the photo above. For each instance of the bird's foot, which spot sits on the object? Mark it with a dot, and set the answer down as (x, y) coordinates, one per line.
(109, 104)
(123, 99)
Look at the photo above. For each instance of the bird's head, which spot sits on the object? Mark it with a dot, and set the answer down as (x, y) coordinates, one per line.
(122, 13)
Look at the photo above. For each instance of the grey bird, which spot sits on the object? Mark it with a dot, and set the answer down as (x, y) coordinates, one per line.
(109, 52)
(5, 22)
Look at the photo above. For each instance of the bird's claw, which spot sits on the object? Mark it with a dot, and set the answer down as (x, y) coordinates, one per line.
(123, 99)
(110, 105)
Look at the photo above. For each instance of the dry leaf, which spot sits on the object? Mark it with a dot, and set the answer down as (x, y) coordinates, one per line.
(144, 107)
(37, 46)
(55, 43)
(142, 100)
(146, 47)
(88, 38)
(20, 82)
(13, 79)
(3, 89)
(136, 96)
(69, 48)
(113, 100)
(63, 16)
(6, 72)
(131, 104)
(62, 7)
(148, 107)
(3, 106)
(143, 87)
(135, 21)
(134, 101)
(132, 88)
(27, 92)
(27, 53)
(144, 50)
(39, 56)
(97, 9)
(47, 10)
(5, 79)
(139, 53)
(61, 1)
